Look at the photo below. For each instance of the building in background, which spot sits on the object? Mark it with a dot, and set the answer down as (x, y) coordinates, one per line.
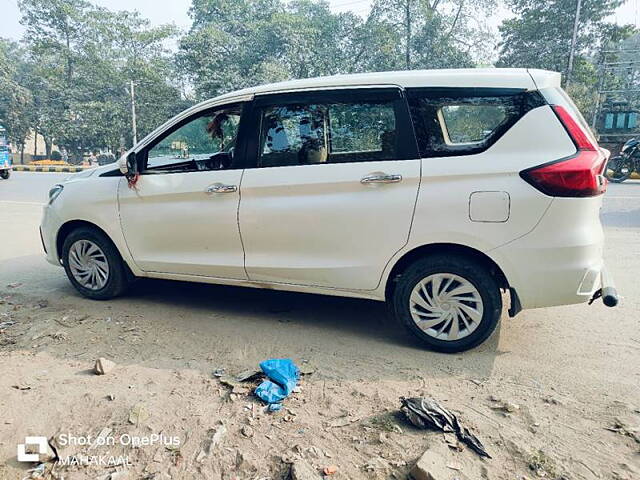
(34, 149)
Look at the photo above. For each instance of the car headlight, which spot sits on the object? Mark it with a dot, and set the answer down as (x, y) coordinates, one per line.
(55, 192)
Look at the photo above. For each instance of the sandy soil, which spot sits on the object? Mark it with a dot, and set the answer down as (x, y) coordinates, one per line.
(353, 423)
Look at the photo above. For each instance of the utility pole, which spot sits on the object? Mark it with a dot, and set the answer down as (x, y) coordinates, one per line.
(574, 38)
(133, 114)
(408, 46)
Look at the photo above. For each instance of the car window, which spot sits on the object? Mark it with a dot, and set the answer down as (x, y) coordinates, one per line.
(305, 134)
(462, 122)
(205, 142)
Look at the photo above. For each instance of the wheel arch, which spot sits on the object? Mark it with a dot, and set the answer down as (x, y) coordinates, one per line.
(71, 225)
(447, 249)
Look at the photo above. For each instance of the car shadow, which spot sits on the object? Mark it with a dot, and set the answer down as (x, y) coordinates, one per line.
(309, 325)
(203, 325)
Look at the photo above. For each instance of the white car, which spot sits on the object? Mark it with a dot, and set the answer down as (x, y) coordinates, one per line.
(431, 190)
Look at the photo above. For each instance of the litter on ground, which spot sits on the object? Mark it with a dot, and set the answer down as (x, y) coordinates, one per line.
(427, 413)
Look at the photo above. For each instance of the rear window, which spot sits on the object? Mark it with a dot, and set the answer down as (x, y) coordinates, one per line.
(464, 121)
(464, 124)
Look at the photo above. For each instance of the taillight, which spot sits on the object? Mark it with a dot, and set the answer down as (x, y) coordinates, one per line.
(579, 175)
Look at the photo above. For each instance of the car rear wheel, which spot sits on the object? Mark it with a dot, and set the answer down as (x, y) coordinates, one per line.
(93, 264)
(5, 174)
(449, 303)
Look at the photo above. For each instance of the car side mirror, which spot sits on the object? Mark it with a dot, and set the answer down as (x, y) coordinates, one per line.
(132, 164)
(129, 167)
(128, 164)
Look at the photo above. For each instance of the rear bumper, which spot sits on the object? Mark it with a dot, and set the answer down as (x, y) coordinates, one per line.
(560, 262)
(551, 280)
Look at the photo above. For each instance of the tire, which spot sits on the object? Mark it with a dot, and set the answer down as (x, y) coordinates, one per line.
(117, 279)
(452, 273)
(5, 174)
(621, 169)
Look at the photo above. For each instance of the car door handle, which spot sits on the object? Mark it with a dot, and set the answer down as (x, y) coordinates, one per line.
(381, 178)
(221, 188)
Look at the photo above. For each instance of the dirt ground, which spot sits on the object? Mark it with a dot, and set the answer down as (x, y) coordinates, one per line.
(570, 374)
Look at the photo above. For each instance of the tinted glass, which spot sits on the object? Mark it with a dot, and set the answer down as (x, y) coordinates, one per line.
(465, 121)
(361, 127)
(471, 123)
(307, 134)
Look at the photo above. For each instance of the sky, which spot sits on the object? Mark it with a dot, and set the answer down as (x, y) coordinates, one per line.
(175, 11)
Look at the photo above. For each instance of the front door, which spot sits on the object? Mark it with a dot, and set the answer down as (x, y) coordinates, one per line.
(181, 217)
(329, 196)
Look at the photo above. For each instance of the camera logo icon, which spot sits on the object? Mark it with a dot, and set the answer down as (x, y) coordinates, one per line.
(39, 442)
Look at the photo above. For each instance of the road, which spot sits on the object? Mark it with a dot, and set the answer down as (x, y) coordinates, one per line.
(587, 356)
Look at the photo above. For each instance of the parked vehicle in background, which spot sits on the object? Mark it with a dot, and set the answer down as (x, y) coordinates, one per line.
(622, 166)
(106, 158)
(434, 191)
(5, 155)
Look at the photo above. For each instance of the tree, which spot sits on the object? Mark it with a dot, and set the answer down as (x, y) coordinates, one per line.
(234, 44)
(540, 36)
(82, 59)
(434, 33)
(15, 101)
(138, 54)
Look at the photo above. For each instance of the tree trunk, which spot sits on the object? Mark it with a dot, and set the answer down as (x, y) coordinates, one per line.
(35, 142)
(47, 146)
(77, 155)
(22, 154)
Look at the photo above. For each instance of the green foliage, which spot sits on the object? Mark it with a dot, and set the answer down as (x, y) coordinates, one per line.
(434, 33)
(234, 44)
(80, 61)
(540, 35)
(15, 100)
(56, 155)
(69, 78)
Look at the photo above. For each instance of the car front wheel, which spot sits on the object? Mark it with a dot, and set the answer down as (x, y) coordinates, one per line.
(5, 174)
(449, 303)
(93, 264)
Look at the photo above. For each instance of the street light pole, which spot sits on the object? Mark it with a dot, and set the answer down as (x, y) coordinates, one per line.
(133, 114)
(574, 39)
(408, 34)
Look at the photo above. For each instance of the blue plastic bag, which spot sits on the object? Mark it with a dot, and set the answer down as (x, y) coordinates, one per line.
(283, 376)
